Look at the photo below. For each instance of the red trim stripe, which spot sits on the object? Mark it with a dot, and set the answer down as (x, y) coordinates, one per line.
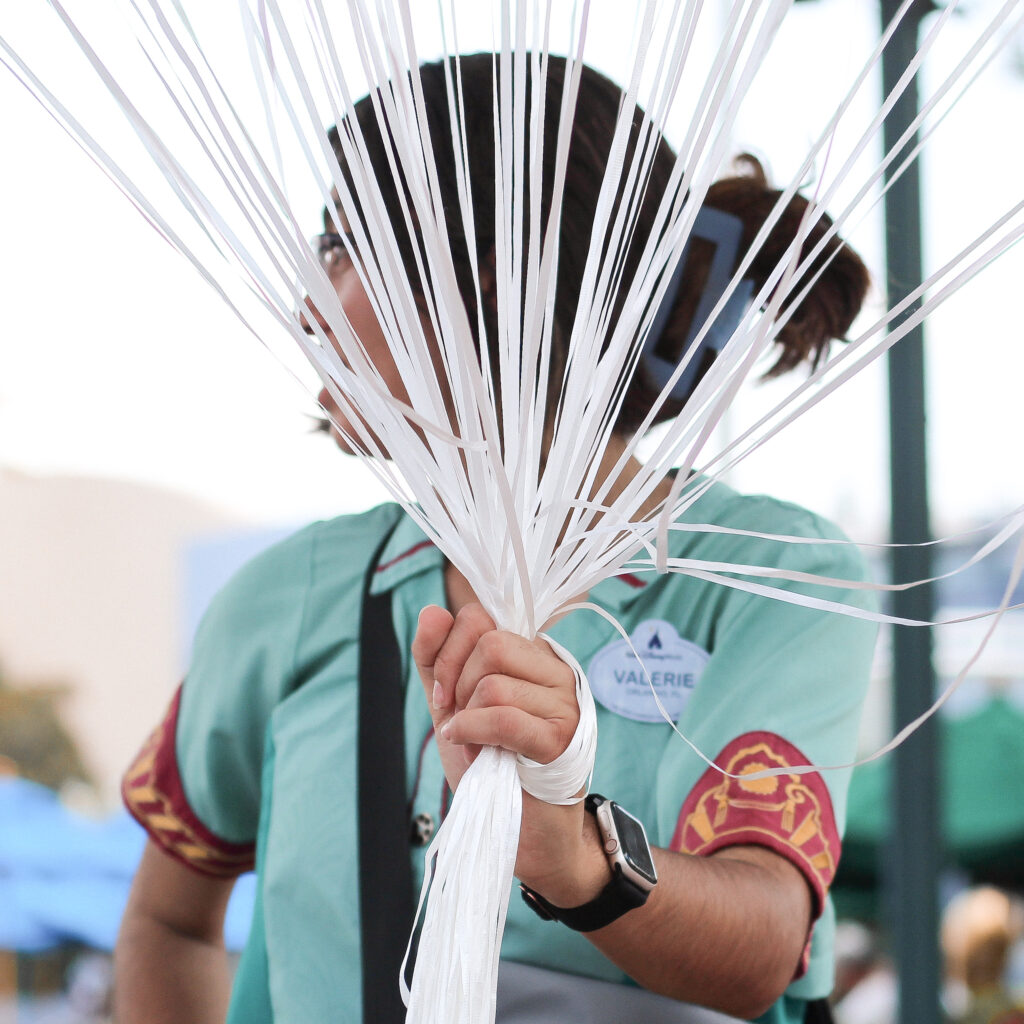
(405, 554)
(152, 791)
(633, 581)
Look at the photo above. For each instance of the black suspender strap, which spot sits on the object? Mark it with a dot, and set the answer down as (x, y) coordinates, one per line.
(385, 871)
(818, 1012)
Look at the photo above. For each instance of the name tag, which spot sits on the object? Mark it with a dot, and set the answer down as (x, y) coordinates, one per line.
(673, 668)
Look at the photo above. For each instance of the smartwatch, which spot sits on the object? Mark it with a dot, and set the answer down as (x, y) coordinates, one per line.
(633, 875)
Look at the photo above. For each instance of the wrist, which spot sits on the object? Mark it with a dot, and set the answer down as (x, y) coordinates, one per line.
(580, 875)
(629, 873)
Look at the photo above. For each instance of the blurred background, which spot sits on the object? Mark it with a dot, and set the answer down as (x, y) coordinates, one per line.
(148, 447)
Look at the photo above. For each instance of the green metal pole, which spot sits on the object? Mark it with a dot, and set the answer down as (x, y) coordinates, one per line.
(911, 868)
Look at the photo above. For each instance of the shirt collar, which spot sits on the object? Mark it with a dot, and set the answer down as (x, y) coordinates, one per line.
(408, 553)
(618, 592)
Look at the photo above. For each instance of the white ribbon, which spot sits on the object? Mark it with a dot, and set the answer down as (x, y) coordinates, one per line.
(531, 524)
(469, 867)
(561, 780)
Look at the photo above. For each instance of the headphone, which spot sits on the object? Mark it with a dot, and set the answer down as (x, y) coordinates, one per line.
(661, 355)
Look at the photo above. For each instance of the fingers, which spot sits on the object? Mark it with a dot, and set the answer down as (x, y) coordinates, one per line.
(498, 653)
(497, 690)
(515, 729)
(449, 658)
(487, 687)
(434, 626)
(514, 694)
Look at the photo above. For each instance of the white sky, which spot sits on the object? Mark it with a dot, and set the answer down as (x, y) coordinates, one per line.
(115, 359)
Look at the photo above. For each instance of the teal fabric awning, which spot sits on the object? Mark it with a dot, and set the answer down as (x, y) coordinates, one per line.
(982, 757)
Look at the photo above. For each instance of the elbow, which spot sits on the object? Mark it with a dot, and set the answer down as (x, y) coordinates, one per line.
(752, 1004)
(747, 996)
(760, 989)
(755, 991)
(749, 1001)
(770, 986)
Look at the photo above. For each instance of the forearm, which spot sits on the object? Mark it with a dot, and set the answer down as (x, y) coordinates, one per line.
(164, 977)
(711, 933)
(725, 931)
(170, 964)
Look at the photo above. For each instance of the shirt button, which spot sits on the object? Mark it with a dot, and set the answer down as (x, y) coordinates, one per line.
(422, 829)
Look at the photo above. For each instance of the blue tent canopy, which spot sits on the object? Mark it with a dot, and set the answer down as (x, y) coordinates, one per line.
(65, 878)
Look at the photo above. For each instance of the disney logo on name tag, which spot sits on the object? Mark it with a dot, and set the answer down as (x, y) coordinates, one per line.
(674, 665)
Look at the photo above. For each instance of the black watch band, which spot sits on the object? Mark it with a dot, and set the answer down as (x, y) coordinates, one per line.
(615, 899)
(618, 897)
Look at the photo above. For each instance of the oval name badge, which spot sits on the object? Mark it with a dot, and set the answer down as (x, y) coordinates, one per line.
(674, 665)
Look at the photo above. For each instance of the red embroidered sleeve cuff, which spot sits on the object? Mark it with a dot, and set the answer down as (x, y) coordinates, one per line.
(789, 813)
(154, 795)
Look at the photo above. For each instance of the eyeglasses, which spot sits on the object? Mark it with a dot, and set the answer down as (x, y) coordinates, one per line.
(332, 249)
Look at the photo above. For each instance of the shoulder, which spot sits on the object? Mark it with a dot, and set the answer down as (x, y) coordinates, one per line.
(329, 555)
(759, 513)
(287, 616)
(761, 529)
(343, 544)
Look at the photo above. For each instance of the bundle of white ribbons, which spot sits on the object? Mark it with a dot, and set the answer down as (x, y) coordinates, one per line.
(226, 210)
(469, 868)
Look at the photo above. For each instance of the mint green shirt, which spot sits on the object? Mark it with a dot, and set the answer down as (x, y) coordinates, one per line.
(266, 741)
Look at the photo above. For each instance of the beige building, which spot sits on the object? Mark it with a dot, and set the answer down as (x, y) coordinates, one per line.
(91, 597)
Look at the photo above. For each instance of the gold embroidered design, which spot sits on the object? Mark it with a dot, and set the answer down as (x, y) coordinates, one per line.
(791, 813)
(154, 796)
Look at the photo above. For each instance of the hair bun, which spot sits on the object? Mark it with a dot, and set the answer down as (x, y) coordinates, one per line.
(833, 301)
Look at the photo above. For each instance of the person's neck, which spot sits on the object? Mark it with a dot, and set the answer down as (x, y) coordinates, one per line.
(612, 456)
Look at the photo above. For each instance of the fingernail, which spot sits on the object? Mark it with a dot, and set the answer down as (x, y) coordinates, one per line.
(446, 728)
(438, 695)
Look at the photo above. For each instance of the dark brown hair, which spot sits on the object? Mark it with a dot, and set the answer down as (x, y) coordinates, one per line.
(825, 313)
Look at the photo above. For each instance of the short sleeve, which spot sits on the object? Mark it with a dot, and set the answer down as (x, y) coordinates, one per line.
(783, 688)
(195, 785)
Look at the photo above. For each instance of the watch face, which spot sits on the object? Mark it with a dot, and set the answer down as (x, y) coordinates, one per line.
(633, 843)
